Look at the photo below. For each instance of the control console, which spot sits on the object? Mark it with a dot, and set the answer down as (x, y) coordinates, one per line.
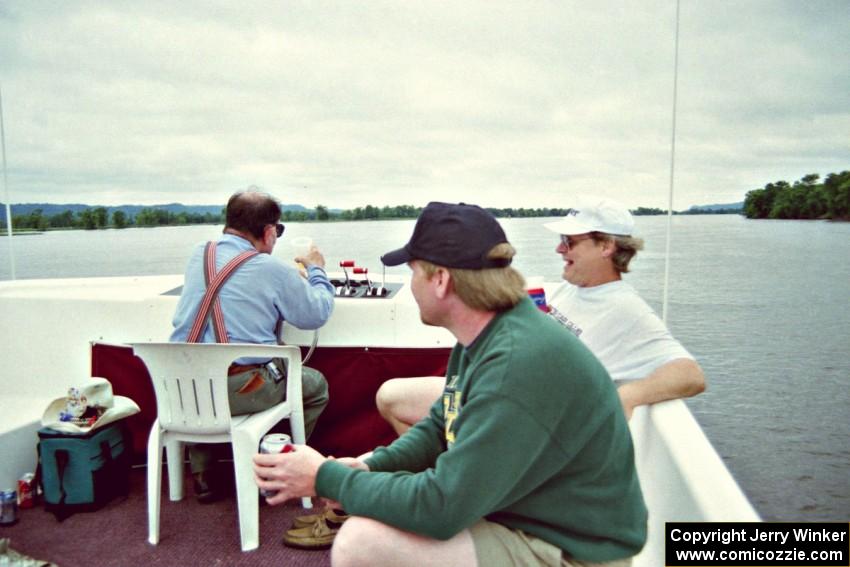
(359, 285)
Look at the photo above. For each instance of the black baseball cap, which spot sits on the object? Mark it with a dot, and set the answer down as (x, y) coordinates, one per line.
(452, 236)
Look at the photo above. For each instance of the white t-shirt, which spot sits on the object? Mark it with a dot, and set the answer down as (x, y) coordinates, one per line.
(618, 326)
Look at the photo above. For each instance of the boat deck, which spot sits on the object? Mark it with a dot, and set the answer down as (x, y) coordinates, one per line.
(71, 325)
(682, 478)
(191, 534)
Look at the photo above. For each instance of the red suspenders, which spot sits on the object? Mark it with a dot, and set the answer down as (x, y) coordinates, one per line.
(214, 281)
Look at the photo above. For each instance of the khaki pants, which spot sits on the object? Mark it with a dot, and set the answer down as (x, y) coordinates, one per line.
(262, 393)
(500, 546)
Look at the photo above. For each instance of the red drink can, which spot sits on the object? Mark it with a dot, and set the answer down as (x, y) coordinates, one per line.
(26, 491)
(276, 443)
(538, 295)
(271, 444)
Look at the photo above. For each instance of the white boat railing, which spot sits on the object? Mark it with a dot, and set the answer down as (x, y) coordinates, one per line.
(682, 477)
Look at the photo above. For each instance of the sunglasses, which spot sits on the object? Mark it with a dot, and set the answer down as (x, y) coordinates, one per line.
(572, 241)
(279, 229)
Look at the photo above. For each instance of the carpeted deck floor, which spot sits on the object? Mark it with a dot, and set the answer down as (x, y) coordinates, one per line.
(191, 534)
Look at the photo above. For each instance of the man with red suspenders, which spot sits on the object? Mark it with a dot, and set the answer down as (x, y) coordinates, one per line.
(236, 291)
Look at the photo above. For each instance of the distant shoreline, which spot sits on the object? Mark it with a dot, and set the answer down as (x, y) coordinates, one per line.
(33, 231)
(43, 217)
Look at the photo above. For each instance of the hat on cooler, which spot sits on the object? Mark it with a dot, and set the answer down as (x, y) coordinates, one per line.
(87, 407)
(595, 214)
(452, 236)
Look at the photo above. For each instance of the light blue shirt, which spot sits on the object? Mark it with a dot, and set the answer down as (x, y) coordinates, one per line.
(261, 291)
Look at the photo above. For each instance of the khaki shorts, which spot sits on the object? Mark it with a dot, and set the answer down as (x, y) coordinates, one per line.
(499, 546)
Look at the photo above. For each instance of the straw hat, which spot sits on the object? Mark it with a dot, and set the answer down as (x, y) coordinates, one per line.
(87, 407)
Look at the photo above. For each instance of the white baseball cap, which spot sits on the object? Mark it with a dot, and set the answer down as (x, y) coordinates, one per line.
(595, 214)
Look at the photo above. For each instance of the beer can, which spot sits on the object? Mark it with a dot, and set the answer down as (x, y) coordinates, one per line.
(274, 443)
(538, 295)
(26, 491)
(8, 507)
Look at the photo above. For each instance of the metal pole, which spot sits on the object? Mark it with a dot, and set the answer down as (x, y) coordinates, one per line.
(672, 172)
(6, 186)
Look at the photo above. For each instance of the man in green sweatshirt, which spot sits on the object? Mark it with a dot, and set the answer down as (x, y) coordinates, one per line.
(527, 457)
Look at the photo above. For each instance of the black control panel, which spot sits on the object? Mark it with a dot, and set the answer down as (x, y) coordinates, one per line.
(364, 289)
(355, 288)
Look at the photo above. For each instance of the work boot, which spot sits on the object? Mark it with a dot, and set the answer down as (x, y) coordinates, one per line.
(206, 487)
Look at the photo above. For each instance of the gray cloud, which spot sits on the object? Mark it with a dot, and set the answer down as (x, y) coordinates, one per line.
(347, 104)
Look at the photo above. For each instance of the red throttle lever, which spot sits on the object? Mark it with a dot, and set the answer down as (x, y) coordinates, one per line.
(365, 271)
(346, 264)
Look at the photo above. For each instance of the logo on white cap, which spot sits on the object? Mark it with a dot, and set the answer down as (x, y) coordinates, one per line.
(595, 214)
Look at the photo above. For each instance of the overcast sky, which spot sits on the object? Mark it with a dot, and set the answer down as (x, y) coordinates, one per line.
(353, 103)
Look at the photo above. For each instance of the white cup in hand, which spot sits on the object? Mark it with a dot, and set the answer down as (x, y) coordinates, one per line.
(301, 247)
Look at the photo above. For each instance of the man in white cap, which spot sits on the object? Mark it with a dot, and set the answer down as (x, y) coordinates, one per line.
(602, 310)
(609, 316)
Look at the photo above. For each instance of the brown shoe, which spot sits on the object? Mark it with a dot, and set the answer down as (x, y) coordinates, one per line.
(319, 535)
(309, 520)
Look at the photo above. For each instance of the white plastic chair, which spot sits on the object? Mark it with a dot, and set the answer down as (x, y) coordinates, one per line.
(190, 382)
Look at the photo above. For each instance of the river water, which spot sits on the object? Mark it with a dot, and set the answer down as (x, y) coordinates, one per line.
(763, 305)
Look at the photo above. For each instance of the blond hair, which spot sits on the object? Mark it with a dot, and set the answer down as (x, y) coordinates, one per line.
(488, 289)
(625, 248)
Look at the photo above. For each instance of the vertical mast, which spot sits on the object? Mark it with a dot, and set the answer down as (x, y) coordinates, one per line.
(6, 186)
(672, 171)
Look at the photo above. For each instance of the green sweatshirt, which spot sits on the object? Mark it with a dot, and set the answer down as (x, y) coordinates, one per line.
(529, 433)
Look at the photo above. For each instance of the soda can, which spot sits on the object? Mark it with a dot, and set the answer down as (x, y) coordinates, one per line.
(26, 491)
(276, 443)
(8, 507)
(271, 444)
(538, 295)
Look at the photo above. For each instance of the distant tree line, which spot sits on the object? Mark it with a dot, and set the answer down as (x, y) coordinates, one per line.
(370, 212)
(804, 199)
(99, 218)
(717, 211)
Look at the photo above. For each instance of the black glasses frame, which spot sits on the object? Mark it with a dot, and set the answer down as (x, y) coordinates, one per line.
(279, 229)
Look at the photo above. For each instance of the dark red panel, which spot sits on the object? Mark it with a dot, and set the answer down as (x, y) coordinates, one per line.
(129, 377)
(350, 425)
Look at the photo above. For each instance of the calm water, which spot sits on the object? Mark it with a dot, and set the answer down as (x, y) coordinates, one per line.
(763, 305)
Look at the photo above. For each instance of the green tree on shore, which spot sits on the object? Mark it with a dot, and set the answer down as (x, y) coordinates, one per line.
(87, 219)
(37, 220)
(101, 217)
(62, 220)
(119, 219)
(836, 191)
(805, 199)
